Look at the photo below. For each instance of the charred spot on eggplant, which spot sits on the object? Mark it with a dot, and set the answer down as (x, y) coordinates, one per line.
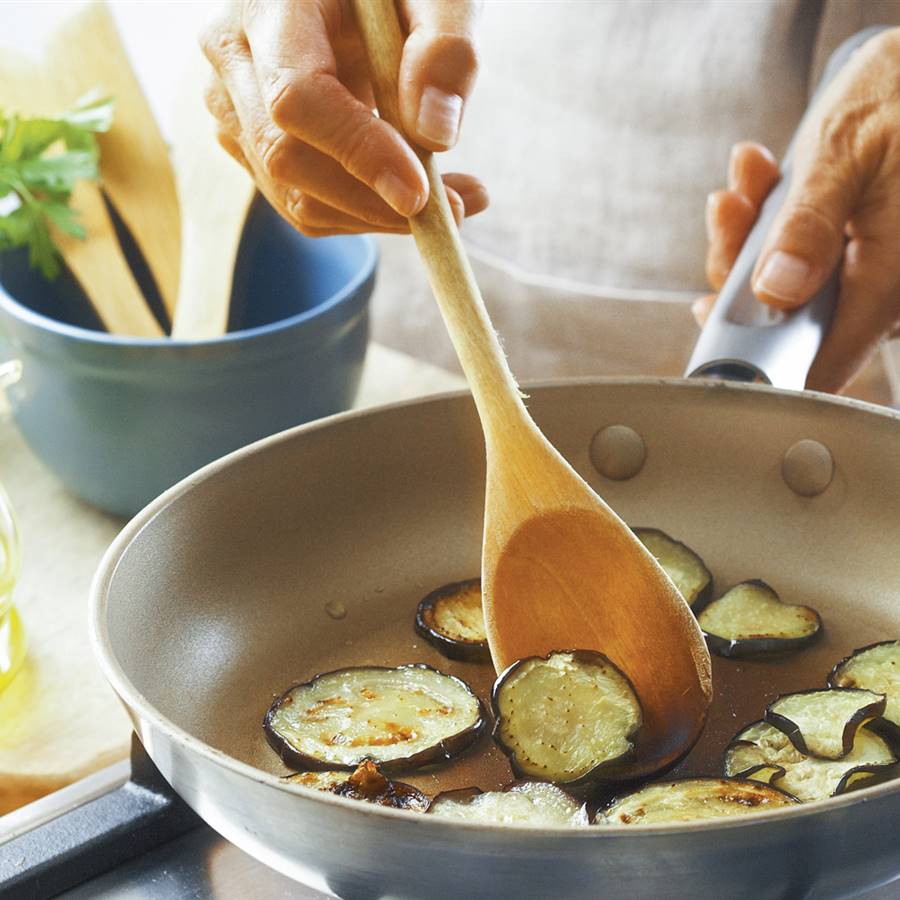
(752, 620)
(805, 777)
(874, 668)
(570, 717)
(686, 569)
(399, 718)
(823, 723)
(689, 799)
(452, 620)
(530, 803)
(367, 784)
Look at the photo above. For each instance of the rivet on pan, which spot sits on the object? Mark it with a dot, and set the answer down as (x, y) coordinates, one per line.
(618, 452)
(807, 468)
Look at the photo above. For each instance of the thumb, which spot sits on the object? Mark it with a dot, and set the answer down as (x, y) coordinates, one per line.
(438, 70)
(807, 238)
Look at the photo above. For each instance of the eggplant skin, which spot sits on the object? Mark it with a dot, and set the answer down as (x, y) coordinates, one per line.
(790, 728)
(809, 778)
(441, 751)
(368, 784)
(704, 595)
(452, 648)
(607, 771)
(886, 726)
(747, 648)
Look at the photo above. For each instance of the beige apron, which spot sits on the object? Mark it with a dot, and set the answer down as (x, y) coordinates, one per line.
(599, 128)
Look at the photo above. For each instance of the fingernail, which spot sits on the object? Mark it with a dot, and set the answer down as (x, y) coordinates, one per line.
(439, 114)
(405, 199)
(784, 277)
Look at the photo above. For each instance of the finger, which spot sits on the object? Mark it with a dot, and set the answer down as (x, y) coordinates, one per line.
(729, 218)
(220, 106)
(437, 70)
(291, 49)
(752, 171)
(866, 312)
(470, 190)
(702, 307)
(320, 216)
(315, 215)
(807, 238)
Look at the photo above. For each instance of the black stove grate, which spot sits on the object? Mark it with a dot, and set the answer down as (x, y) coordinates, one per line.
(97, 836)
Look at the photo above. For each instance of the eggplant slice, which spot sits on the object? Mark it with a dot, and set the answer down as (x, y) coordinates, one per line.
(752, 620)
(686, 569)
(399, 718)
(823, 723)
(804, 777)
(367, 784)
(534, 804)
(689, 799)
(452, 620)
(874, 668)
(570, 717)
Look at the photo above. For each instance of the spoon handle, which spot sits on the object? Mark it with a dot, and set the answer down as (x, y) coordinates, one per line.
(437, 237)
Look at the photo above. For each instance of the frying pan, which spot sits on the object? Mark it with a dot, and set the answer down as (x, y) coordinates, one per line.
(309, 550)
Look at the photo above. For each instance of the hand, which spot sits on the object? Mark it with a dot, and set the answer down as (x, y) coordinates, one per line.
(294, 105)
(843, 209)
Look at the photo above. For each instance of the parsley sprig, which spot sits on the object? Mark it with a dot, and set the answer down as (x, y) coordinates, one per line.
(40, 161)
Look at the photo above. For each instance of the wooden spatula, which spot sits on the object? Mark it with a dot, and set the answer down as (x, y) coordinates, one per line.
(560, 570)
(214, 193)
(33, 87)
(83, 53)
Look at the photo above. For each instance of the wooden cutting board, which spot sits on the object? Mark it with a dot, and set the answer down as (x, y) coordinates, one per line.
(59, 721)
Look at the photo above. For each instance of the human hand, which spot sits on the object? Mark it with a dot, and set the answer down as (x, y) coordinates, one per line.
(293, 103)
(843, 208)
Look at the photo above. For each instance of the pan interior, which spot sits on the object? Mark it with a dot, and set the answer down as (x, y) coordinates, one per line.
(311, 551)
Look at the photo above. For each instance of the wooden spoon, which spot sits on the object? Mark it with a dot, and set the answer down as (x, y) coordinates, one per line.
(560, 570)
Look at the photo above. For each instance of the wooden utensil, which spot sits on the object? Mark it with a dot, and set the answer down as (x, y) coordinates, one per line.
(39, 88)
(560, 570)
(85, 52)
(214, 193)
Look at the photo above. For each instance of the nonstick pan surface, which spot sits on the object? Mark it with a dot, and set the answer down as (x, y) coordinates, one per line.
(310, 550)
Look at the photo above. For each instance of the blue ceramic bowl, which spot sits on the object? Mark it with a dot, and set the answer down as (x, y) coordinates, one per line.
(119, 420)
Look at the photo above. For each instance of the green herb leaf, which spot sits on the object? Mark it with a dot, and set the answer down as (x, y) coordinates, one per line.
(41, 159)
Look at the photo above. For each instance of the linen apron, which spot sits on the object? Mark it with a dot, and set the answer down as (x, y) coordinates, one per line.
(599, 128)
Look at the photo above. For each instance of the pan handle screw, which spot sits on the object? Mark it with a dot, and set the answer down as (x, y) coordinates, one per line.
(807, 468)
(618, 452)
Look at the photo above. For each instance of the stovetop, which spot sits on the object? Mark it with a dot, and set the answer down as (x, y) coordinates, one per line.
(124, 835)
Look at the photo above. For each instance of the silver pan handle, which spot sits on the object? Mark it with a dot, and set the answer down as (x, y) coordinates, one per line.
(744, 340)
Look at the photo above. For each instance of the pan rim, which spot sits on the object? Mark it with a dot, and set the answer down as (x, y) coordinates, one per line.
(136, 702)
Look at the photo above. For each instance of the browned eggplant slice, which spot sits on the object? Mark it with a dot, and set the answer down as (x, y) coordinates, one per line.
(451, 618)
(751, 620)
(686, 569)
(399, 718)
(805, 777)
(689, 799)
(570, 717)
(823, 723)
(875, 668)
(533, 804)
(366, 783)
